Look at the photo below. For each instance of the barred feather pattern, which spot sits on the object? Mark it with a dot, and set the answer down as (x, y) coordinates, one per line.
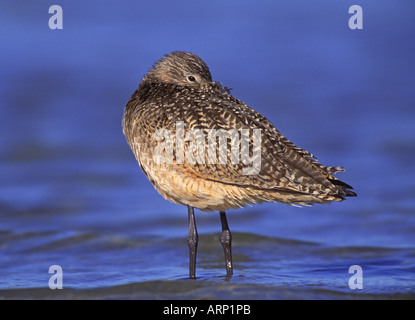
(166, 96)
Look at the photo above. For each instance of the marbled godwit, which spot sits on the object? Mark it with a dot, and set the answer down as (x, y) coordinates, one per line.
(177, 96)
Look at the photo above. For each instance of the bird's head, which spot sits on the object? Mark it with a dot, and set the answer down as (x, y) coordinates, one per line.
(180, 68)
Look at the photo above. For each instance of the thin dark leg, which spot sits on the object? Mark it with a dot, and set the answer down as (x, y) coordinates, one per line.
(226, 241)
(192, 241)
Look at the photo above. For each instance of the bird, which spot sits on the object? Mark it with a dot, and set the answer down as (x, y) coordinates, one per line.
(205, 149)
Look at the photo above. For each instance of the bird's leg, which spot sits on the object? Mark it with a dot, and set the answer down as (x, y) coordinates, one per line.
(192, 241)
(226, 241)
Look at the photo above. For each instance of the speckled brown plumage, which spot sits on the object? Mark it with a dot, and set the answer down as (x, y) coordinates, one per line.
(179, 89)
(288, 174)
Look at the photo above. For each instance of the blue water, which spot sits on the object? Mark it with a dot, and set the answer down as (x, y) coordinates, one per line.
(71, 193)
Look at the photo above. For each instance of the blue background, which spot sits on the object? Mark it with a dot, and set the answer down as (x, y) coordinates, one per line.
(72, 194)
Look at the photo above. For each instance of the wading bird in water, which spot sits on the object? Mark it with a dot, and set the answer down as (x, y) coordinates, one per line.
(168, 122)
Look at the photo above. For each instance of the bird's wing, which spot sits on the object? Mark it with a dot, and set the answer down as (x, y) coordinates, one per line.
(191, 117)
(281, 164)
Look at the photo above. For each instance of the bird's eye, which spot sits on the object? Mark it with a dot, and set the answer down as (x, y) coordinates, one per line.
(191, 79)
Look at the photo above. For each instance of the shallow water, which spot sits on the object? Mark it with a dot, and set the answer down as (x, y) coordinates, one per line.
(72, 194)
